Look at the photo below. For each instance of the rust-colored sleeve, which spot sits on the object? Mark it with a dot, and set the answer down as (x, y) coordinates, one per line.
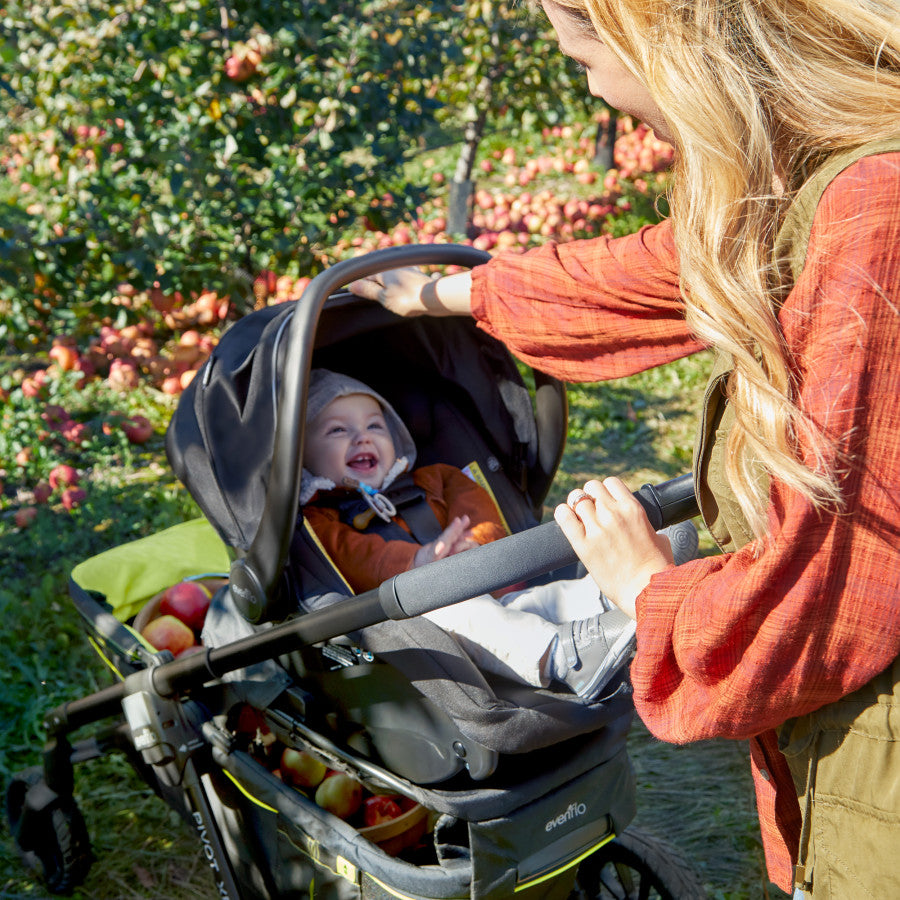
(452, 493)
(588, 310)
(364, 559)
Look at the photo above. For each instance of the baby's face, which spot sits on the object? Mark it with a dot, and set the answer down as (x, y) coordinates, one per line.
(350, 439)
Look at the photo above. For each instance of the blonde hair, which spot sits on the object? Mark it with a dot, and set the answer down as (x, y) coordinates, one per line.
(754, 91)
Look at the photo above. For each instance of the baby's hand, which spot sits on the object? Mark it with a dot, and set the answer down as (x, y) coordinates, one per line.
(453, 539)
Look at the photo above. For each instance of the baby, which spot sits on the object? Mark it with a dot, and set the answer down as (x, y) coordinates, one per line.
(356, 447)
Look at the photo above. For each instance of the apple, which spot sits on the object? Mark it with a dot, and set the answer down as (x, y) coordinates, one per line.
(301, 769)
(64, 355)
(249, 721)
(379, 809)
(188, 601)
(25, 516)
(137, 429)
(123, 374)
(168, 633)
(42, 492)
(72, 497)
(340, 794)
(63, 476)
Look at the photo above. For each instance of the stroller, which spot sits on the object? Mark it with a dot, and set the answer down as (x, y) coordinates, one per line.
(504, 790)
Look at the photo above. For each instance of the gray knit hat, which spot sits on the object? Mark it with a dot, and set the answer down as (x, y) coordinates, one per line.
(326, 386)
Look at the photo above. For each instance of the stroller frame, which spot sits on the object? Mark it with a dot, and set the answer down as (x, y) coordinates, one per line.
(176, 746)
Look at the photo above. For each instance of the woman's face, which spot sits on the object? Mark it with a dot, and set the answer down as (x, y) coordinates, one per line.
(607, 78)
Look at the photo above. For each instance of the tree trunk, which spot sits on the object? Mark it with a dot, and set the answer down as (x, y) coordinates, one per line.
(605, 142)
(462, 188)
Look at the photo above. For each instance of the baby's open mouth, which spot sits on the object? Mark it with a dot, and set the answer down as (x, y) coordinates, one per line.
(363, 463)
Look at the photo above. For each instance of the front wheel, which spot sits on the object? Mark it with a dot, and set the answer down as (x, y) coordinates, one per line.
(637, 865)
(49, 832)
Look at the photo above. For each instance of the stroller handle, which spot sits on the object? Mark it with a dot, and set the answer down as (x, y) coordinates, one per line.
(518, 557)
(256, 576)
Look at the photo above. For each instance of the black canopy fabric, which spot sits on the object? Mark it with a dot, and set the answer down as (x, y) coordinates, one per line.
(220, 439)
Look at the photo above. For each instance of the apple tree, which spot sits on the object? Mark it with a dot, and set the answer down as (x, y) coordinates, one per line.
(503, 68)
(192, 143)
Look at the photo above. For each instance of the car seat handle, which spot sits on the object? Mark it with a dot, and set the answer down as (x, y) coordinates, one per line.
(256, 576)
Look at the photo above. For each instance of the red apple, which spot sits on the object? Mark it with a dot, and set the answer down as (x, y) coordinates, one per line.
(123, 374)
(25, 516)
(187, 601)
(72, 497)
(137, 429)
(63, 476)
(301, 769)
(249, 721)
(168, 633)
(380, 809)
(339, 794)
(42, 492)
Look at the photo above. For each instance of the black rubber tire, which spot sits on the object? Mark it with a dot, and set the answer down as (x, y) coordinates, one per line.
(637, 865)
(62, 856)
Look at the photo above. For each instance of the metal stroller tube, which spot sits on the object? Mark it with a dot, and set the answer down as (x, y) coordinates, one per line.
(256, 576)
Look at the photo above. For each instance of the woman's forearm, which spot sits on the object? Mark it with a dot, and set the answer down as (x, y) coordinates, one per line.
(448, 296)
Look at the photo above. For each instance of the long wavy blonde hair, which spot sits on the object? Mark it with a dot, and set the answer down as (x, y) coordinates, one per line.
(755, 92)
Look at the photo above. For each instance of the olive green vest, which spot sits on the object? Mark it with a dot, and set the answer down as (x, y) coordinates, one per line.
(718, 504)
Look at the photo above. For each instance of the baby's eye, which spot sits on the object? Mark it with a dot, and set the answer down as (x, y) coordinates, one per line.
(336, 429)
(377, 426)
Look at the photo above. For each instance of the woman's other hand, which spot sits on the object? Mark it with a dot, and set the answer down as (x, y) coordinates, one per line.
(613, 537)
(410, 292)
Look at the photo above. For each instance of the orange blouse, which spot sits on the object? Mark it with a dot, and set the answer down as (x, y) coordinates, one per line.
(734, 645)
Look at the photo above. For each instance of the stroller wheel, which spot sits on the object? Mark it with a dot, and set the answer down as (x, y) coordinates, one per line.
(634, 866)
(50, 834)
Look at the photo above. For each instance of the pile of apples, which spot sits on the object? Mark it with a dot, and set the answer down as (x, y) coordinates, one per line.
(333, 790)
(182, 612)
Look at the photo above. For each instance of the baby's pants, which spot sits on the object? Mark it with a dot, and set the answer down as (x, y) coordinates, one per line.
(514, 636)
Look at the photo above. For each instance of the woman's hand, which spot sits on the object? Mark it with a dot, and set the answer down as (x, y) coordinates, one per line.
(613, 537)
(453, 539)
(410, 292)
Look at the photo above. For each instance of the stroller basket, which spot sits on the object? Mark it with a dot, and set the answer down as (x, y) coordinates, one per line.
(504, 790)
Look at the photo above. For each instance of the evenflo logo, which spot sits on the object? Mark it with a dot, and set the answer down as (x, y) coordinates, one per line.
(574, 810)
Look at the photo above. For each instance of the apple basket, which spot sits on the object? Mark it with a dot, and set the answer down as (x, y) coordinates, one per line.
(401, 833)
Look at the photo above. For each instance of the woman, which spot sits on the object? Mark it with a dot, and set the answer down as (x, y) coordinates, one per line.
(780, 253)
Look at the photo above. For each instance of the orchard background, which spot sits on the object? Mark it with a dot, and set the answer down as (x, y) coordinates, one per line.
(165, 169)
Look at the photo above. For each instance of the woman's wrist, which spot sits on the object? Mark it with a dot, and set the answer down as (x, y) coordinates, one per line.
(448, 296)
